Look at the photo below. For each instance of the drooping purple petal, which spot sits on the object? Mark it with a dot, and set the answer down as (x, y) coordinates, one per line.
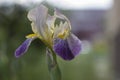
(74, 44)
(69, 48)
(23, 48)
(62, 49)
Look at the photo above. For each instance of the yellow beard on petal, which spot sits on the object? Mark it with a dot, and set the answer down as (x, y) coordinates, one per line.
(63, 35)
(31, 36)
(62, 30)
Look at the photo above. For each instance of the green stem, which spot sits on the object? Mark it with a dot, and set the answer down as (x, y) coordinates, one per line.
(53, 67)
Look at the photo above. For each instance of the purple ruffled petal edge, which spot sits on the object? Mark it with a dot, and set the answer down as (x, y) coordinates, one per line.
(62, 49)
(74, 44)
(23, 47)
(69, 48)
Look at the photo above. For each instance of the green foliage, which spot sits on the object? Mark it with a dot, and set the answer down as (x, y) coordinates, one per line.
(14, 25)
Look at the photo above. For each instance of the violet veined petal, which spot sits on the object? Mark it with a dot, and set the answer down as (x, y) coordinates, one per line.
(38, 17)
(23, 47)
(69, 48)
(62, 49)
(74, 44)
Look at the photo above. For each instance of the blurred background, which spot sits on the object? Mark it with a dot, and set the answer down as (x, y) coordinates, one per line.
(95, 22)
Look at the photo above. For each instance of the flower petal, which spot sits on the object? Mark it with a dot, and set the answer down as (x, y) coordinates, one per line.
(74, 44)
(68, 48)
(50, 21)
(61, 16)
(61, 31)
(38, 17)
(23, 48)
(62, 49)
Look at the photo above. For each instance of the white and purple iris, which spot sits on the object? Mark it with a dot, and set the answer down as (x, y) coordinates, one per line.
(56, 37)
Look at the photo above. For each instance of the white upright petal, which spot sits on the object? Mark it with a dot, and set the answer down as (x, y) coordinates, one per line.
(50, 20)
(61, 16)
(38, 16)
(64, 28)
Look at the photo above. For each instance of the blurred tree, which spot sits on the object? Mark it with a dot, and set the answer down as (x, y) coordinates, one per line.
(113, 34)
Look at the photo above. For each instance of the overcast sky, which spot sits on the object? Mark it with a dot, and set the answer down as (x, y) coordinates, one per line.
(68, 4)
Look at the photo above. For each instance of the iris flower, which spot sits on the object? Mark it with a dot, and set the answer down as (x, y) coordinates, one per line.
(57, 37)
